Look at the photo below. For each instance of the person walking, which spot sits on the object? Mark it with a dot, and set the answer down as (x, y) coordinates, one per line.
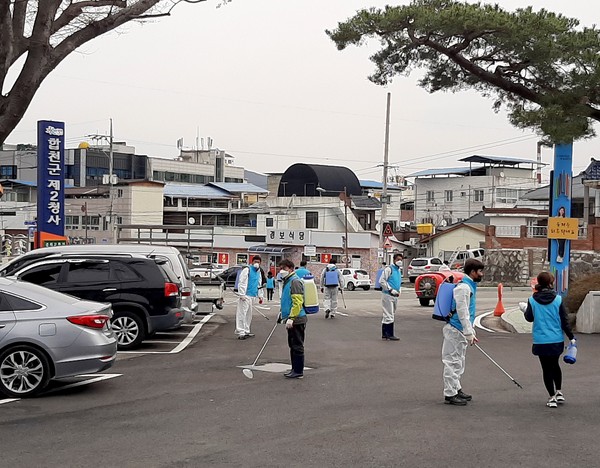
(270, 286)
(546, 310)
(390, 283)
(302, 271)
(332, 281)
(459, 332)
(250, 289)
(294, 316)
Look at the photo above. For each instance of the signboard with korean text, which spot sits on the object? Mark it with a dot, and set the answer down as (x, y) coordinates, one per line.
(561, 181)
(563, 228)
(287, 236)
(310, 250)
(50, 182)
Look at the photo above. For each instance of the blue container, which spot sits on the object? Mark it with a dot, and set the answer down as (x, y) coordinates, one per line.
(571, 356)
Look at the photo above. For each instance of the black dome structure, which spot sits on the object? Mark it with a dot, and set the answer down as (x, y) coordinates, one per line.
(303, 180)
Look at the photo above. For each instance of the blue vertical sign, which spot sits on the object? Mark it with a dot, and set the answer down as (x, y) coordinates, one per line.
(50, 180)
(561, 185)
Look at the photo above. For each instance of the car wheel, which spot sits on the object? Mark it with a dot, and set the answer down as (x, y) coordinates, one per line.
(350, 286)
(24, 371)
(366, 288)
(129, 329)
(413, 279)
(424, 302)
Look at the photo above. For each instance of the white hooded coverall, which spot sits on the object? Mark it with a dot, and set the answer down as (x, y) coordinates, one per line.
(243, 315)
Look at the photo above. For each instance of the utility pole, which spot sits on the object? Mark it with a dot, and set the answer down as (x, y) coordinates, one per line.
(346, 224)
(385, 169)
(111, 224)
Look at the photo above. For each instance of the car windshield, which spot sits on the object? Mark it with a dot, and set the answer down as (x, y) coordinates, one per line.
(361, 272)
(419, 262)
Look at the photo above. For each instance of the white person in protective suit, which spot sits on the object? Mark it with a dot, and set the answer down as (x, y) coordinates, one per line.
(332, 281)
(250, 289)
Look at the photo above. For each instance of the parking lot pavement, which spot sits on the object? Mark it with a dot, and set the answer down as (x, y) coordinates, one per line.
(364, 402)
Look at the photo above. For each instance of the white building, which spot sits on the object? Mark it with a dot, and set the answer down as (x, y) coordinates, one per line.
(449, 195)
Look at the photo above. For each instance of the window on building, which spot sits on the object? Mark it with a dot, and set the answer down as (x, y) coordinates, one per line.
(478, 195)
(92, 222)
(312, 220)
(269, 222)
(8, 172)
(158, 175)
(169, 201)
(448, 195)
(72, 222)
(506, 195)
(430, 195)
(119, 193)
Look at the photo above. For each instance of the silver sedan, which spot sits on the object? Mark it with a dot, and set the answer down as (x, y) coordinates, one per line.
(48, 335)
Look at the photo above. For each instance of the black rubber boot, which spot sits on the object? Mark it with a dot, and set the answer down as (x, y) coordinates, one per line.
(297, 368)
(391, 336)
(384, 335)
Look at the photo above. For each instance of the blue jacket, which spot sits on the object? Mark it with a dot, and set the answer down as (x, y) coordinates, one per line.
(292, 298)
(270, 283)
(546, 324)
(455, 320)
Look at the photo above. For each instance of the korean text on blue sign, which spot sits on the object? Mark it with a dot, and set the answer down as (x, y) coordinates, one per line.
(51, 177)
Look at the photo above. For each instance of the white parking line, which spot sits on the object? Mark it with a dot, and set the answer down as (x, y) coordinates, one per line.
(94, 378)
(172, 333)
(181, 346)
(160, 341)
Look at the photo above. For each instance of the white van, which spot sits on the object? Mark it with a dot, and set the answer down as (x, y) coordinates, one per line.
(464, 255)
(174, 258)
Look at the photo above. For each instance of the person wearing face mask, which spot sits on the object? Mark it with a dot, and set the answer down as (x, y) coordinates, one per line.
(294, 317)
(250, 289)
(459, 332)
(390, 282)
(332, 281)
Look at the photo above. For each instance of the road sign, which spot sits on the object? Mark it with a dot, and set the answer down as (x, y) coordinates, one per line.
(30, 223)
(54, 243)
(387, 230)
(380, 253)
(387, 244)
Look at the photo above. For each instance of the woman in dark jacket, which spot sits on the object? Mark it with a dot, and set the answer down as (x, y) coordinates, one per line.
(545, 309)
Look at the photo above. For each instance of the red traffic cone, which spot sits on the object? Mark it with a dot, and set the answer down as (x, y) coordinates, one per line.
(499, 310)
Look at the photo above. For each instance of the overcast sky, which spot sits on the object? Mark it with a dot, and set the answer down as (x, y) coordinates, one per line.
(262, 79)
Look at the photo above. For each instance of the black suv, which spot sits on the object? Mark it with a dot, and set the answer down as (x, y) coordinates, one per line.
(145, 294)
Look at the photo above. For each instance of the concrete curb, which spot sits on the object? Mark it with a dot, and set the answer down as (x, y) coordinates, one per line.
(514, 321)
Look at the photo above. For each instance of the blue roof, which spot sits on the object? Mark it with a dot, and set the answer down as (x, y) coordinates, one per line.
(238, 187)
(374, 184)
(195, 191)
(442, 171)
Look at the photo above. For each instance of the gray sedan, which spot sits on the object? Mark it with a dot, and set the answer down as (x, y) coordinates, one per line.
(47, 335)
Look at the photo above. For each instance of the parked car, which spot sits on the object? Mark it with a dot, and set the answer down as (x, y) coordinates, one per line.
(47, 335)
(174, 258)
(427, 285)
(354, 278)
(228, 276)
(464, 255)
(418, 266)
(144, 292)
(205, 270)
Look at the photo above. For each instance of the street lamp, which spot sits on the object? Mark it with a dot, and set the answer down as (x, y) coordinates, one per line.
(321, 190)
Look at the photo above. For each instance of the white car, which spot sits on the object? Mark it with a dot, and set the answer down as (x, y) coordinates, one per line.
(420, 266)
(354, 278)
(206, 270)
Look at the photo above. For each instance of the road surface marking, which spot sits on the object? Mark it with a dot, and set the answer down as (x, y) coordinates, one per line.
(478, 321)
(181, 346)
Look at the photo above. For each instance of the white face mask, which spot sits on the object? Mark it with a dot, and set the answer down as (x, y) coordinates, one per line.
(256, 265)
(399, 263)
(284, 273)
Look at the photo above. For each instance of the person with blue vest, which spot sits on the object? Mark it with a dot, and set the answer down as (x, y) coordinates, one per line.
(294, 316)
(270, 286)
(302, 271)
(546, 310)
(250, 289)
(460, 332)
(332, 281)
(390, 283)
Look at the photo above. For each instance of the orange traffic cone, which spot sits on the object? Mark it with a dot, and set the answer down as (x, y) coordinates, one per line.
(499, 310)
